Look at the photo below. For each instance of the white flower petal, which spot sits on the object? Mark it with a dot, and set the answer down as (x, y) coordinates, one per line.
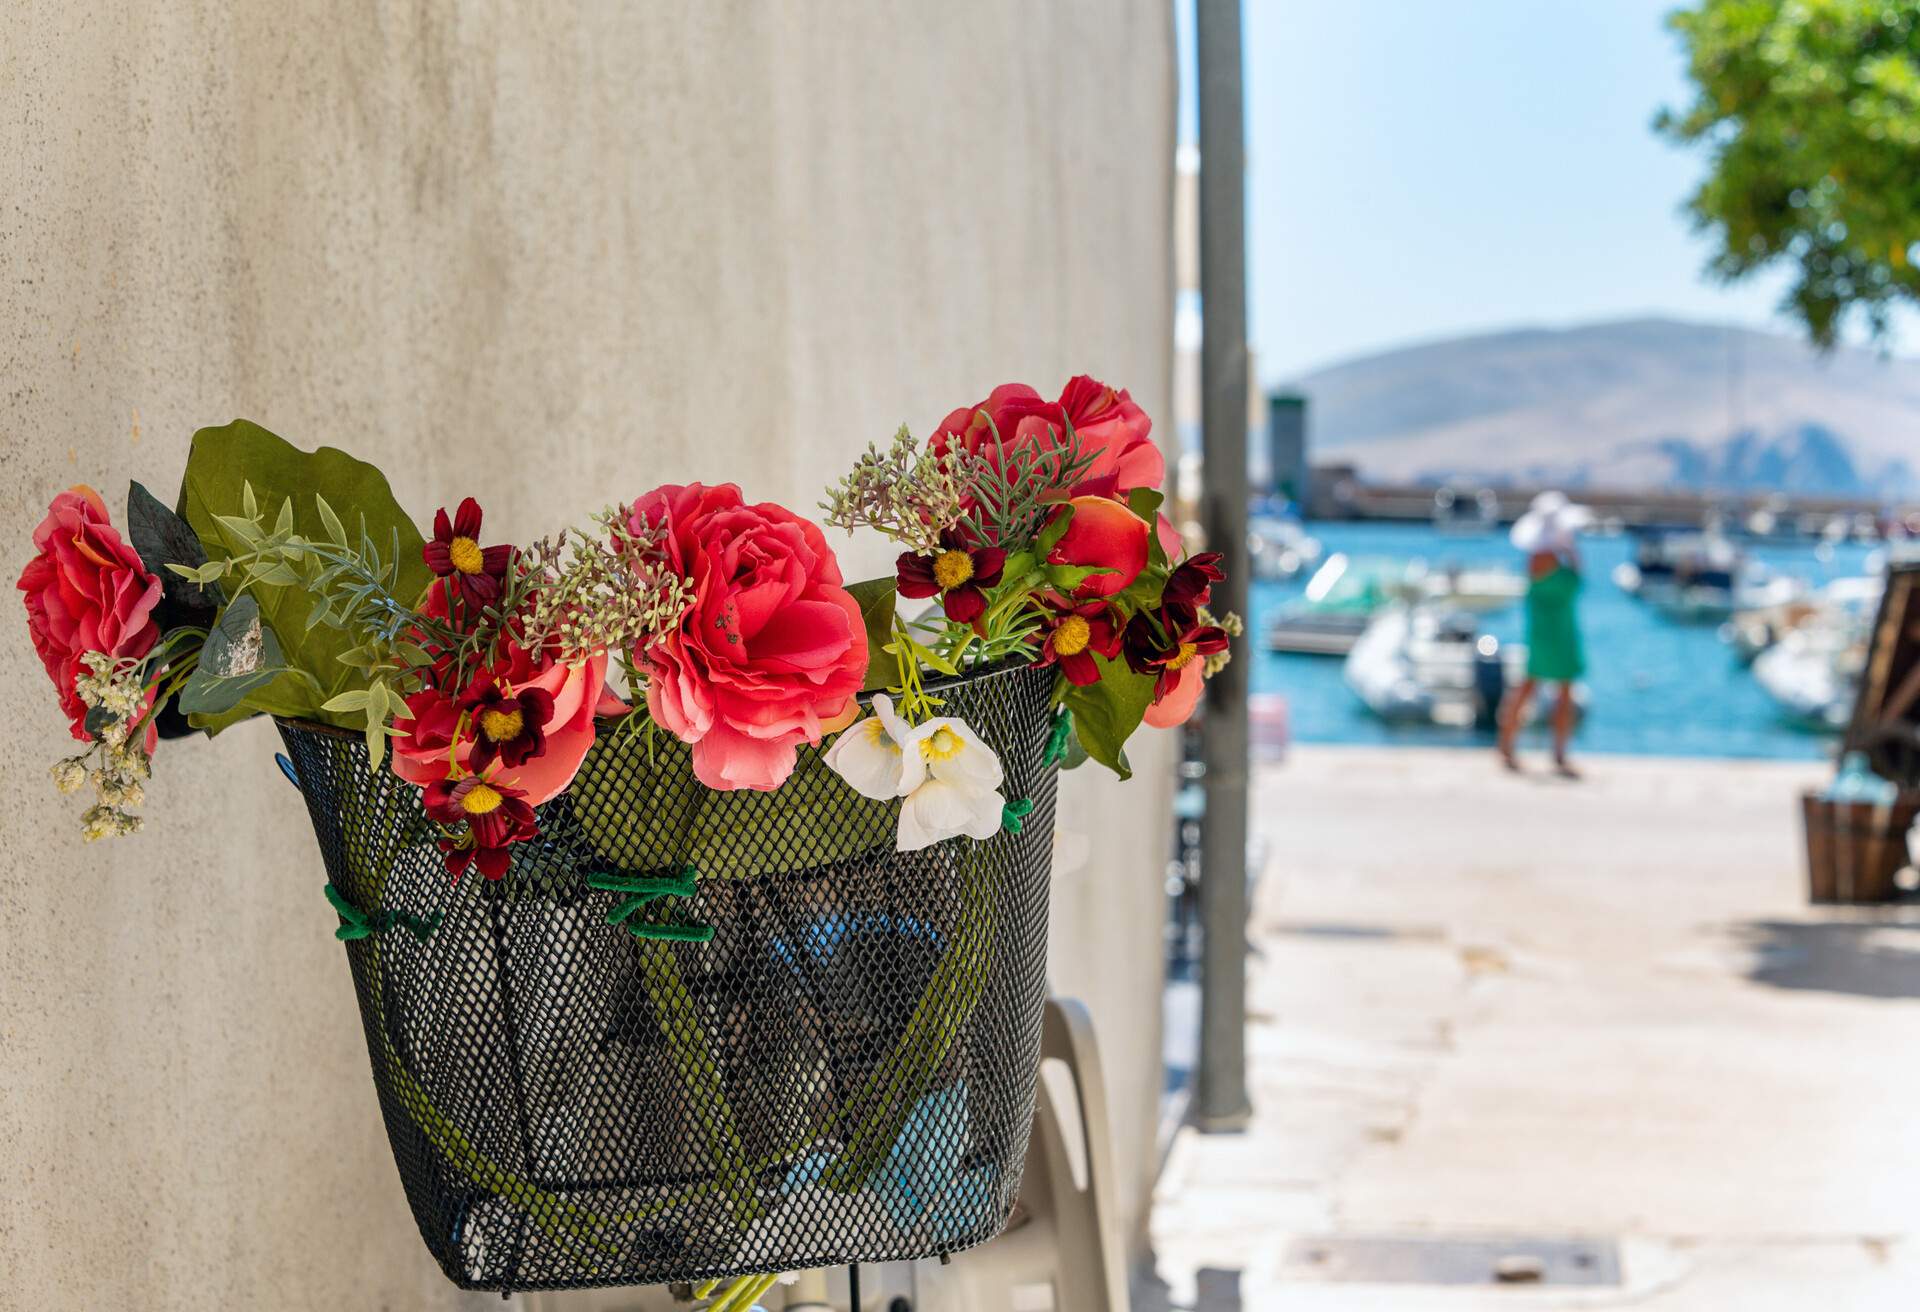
(912, 768)
(938, 810)
(988, 811)
(952, 751)
(867, 757)
(913, 833)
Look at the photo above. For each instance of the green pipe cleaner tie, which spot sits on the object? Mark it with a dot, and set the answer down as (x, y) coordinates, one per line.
(1057, 741)
(1013, 816)
(355, 923)
(642, 889)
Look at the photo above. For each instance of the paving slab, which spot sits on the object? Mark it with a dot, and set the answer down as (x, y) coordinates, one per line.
(1487, 1009)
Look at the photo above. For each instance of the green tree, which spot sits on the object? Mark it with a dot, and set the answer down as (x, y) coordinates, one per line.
(1811, 112)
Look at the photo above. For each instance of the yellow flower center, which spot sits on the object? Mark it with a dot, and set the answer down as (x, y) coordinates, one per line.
(942, 745)
(502, 726)
(1180, 658)
(877, 734)
(951, 569)
(1071, 638)
(466, 555)
(479, 800)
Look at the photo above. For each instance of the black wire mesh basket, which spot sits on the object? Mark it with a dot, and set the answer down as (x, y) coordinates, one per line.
(844, 1072)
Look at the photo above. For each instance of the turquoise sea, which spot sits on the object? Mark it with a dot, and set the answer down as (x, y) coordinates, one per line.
(1656, 687)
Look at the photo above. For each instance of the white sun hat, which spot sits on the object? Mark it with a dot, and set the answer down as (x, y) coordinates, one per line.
(1549, 524)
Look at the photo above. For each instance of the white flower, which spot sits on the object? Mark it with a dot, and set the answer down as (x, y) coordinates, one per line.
(950, 751)
(868, 754)
(938, 810)
(949, 777)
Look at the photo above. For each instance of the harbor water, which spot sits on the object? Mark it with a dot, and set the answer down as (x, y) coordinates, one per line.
(1657, 687)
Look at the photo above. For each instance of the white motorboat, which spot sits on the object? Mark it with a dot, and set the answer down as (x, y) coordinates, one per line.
(1461, 509)
(1813, 672)
(1279, 549)
(1346, 593)
(1700, 577)
(1432, 665)
(1842, 601)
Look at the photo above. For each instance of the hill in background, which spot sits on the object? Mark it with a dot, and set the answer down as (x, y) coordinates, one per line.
(1637, 403)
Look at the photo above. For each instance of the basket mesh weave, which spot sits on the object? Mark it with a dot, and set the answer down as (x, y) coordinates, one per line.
(845, 1072)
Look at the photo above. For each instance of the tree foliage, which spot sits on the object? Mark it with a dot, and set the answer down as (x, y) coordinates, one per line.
(1810, 110)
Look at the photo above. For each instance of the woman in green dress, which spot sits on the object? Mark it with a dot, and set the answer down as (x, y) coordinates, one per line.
(1554, 654)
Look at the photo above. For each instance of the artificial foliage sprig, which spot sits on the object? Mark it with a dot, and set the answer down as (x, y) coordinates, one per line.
(612, 590)
(909, 492)
(1014, 494)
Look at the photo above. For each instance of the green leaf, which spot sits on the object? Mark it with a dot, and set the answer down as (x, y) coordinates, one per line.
(336, 532)
(1018, 565)
(1145, 502)
(354, 699)
(876, 600)
(283, 522)
(242, 462)
(169, 549)
(1068, 577)
(1106, 713)
(1055, 529)
(241, 655)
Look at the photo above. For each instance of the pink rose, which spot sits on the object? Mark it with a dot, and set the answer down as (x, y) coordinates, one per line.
(86, 591)
(552, 728)
(1107, 424)
(772, 645)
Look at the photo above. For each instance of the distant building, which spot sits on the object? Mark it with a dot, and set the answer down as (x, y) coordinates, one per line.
(1287, 468)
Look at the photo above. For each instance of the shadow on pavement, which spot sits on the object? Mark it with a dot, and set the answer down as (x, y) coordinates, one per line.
(1872, 959)
(1215, 1290)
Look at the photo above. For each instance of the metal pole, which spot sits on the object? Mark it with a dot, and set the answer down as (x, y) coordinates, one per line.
(1223, 1102)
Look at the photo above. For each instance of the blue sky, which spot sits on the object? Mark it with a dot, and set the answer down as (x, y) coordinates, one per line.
(1422, 169)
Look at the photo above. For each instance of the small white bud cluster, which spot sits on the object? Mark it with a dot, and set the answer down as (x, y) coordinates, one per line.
(118, 765)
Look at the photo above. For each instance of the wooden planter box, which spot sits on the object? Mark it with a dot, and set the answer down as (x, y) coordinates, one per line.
(1854, 849)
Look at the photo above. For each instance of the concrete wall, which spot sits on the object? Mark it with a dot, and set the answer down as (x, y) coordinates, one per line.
(551, 261)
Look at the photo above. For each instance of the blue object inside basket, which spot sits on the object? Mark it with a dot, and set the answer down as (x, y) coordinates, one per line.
(921, 1185)
(827, 935)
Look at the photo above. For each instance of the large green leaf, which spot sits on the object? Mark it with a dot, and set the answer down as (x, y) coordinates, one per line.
(1106, 713)
(221, 463)
(876, 599)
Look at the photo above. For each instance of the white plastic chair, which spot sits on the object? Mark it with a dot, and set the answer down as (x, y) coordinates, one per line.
(1062, 1251)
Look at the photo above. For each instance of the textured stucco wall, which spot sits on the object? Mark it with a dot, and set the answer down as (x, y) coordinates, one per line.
(551, 260)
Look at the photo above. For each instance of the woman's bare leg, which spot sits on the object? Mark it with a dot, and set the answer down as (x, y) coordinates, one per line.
(1513, 709)
(1563, 709)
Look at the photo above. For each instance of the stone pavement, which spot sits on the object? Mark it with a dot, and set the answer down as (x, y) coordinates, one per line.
(1495, 1008)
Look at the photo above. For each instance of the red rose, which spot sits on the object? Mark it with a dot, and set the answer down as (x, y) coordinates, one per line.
(86, 591)
(772, 645)
(1107, 424)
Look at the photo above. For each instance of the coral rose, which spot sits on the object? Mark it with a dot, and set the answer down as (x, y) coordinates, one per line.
(86, 590)
(1176, 707)
(1106, 534)
(1107, 424)
(772, 645)
(521, 681)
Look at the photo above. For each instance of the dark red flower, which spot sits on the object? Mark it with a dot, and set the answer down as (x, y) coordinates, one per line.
(1074, 635)
(455, 553)
(1192, 580)
(1165, 641)
(496, 817)
(508, 726)
(958, 574)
